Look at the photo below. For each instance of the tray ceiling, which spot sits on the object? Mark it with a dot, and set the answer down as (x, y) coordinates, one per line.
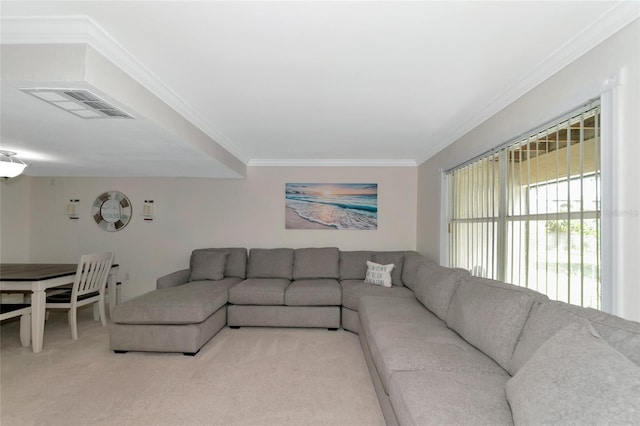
(281, 83)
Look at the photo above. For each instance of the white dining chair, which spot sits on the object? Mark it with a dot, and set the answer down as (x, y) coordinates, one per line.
(12, 310)
(89, 286)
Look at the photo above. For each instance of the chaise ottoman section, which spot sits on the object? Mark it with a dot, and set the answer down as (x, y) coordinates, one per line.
(190, 303)
(185, 338)
(175, 319)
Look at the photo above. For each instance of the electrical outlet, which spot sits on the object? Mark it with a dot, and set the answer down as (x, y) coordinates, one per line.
(126, 276)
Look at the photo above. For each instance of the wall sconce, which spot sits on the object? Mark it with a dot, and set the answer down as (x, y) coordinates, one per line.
(147, 210)
(73, 209)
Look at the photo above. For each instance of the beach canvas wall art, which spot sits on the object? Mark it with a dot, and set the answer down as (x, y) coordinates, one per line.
(331, 206)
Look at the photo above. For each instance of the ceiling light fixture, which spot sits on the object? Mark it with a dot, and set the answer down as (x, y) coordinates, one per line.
(9, 165)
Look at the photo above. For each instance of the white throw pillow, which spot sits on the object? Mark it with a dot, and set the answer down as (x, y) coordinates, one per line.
(379, 274)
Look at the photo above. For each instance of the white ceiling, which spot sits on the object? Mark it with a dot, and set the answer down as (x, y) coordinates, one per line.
(298, 83)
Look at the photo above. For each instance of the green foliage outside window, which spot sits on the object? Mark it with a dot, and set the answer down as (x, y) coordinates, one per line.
(563, 226)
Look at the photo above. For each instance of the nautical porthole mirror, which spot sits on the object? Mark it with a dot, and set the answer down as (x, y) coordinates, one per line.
(112, 211)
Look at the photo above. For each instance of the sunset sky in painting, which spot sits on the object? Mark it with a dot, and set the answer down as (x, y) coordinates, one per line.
(333, 188)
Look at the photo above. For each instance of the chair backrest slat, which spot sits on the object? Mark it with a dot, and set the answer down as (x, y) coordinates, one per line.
(92, 273)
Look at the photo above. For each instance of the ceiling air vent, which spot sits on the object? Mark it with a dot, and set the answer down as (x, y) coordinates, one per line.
(79, 102)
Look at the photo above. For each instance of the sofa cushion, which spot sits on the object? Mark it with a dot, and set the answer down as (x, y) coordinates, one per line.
(353, 264)
(189, 303)
(353, 290)
(490, 316)
(385, 310)
(259, 291)
(388, 257)
(378, 274)
(270, 263)
(449, 398)
(236, 265)
(412, 260)
(208, 265)
(404, 336)
(544, 321)
(321, 292)
(434, 287)
(310, 263)
(547, 319)
(283, 316)
(622, 334)
(576, 377)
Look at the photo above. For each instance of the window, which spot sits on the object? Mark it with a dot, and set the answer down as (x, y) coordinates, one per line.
(528, 212)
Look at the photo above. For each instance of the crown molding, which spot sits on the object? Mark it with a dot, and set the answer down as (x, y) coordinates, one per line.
(45, 29)
(330, 163)
(616, 18)
(80, 29)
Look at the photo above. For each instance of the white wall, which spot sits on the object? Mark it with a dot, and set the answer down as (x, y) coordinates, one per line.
(196, 213)
(15, 212)
(567, 89)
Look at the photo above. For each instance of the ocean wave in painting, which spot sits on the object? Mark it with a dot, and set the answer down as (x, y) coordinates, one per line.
(346, 211)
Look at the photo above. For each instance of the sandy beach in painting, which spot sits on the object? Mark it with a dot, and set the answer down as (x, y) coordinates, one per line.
(295, 221)
(331, 206)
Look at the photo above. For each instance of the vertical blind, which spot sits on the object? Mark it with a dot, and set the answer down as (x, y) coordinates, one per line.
(528, 212)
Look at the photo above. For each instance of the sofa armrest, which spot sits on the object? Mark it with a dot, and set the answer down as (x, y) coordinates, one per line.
(174, 279)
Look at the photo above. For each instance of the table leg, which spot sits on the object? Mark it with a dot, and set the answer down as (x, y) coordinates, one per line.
(113, 297)
(25, 329)
(38, 300)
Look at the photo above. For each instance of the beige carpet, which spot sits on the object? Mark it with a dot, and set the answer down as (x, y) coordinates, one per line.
(250, 376)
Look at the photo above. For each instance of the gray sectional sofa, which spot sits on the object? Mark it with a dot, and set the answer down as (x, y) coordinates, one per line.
(442, 347)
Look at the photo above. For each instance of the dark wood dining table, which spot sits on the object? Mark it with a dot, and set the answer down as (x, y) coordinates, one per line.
(37, 278)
